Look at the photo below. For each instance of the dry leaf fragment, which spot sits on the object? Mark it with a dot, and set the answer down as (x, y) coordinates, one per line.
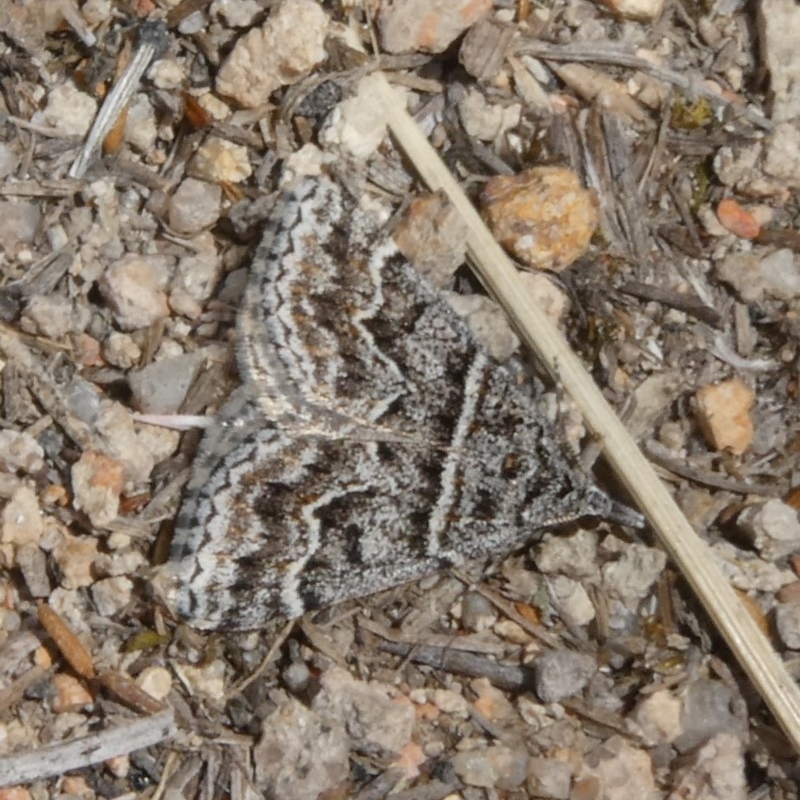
(592, 84)
(194, 113)
(127, 692)
(68, 644)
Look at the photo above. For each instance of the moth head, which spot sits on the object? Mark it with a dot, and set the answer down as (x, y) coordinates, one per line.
(581, 502)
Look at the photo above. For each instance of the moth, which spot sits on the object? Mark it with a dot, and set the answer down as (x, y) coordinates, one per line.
(372, 440)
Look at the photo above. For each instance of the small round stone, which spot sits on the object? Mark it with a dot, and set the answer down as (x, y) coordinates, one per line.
(156, 681)
(560, 674)
(543, 217)
(477, 613)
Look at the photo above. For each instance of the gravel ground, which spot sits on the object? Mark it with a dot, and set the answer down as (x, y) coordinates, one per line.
(640, 161)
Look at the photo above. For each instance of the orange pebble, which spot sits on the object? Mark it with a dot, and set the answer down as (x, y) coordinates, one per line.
(738, 220)
(71, 694)
(426, 711)
(15, 793)
(723, 413)
(76, 786)
(87, 350)
(410, 759)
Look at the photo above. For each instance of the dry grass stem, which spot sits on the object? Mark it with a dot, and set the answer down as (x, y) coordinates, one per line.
(690, 554)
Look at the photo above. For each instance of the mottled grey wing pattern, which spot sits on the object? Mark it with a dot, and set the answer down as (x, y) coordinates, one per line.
(372, 441)
(305, 337)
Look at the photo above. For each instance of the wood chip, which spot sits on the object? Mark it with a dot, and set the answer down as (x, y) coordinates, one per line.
(55, 759)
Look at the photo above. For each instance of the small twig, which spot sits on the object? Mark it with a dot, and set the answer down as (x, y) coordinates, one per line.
(175, 422)
(692, 556)
(602, 717)
(321, 642)
(73, 17)
(724, 352)
(381, 786)
(14, 692)
(129, 693)
(43, 276)
(42, 130)
(503, 676)
(166, 775)
(40, 188)
(687, 217)
(779, 238)
(622, 56)
(468, 644)
(259, 670)
(56, 759)
(688, 303)
(152, 42)
(508, 609)
(706, 478)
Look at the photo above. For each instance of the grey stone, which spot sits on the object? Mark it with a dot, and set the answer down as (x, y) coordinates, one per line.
(787, 623)
(707, 711)
(194, 206)
(477, 613)
(161, 386)
(561, 673)
(300, 754)
(375, 724)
